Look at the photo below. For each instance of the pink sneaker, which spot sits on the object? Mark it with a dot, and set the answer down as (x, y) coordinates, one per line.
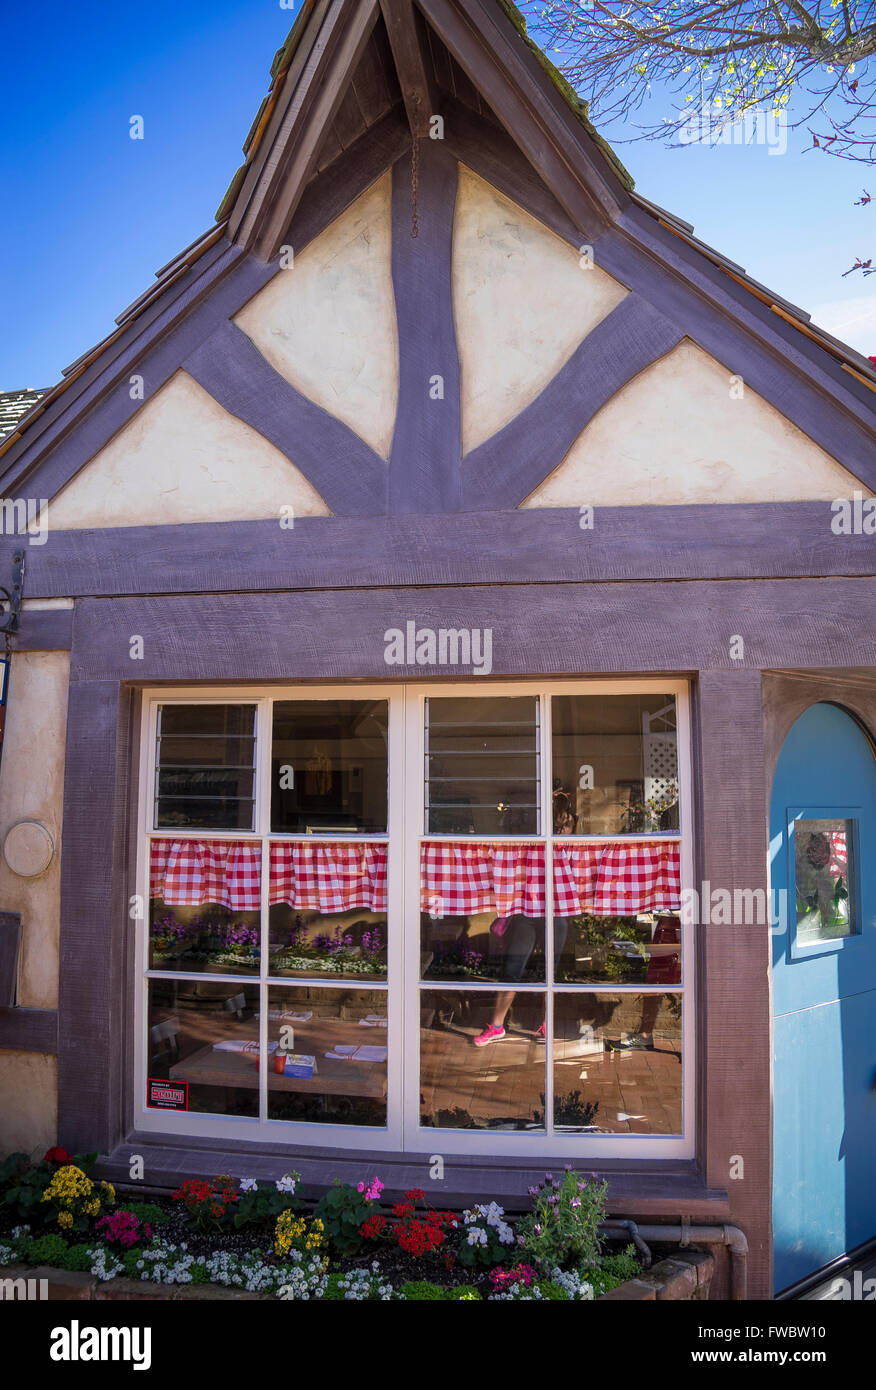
(491, 1033)
(541, 1033)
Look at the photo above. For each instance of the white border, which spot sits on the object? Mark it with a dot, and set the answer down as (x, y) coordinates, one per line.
(405, 829)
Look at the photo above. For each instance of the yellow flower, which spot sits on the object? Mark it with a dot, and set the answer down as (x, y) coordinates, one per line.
(92, 1208)
(65, 1219)
(109, 1192)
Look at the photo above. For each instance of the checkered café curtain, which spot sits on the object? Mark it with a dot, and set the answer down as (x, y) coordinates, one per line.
(329, 877)
(189, 873)
(324, 877)
(610, 879)
(839, 854)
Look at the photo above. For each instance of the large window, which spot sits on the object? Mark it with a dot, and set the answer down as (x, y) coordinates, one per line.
(412, 910)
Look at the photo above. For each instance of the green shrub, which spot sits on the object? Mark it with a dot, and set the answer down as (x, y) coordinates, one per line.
(421, 1291)
(47, 1250)
(463, 1293)
(613, 1270)
(78, 1258)
(551, 1291)
(149, 1212)
(562, 1230)
(342, 1210)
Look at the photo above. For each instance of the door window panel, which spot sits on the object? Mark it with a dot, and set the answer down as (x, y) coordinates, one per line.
(824, 872)
(203, 1038)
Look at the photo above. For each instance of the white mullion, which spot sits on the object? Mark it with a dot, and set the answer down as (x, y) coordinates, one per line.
(262, 825)
(547, 765)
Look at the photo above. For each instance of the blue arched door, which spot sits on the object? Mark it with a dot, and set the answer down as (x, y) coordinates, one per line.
(823, 858)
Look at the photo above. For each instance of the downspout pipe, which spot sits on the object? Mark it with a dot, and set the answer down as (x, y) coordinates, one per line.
(684, 1234)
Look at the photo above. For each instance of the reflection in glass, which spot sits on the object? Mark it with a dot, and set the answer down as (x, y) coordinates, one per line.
(204, 767)
(471, 1081)
(615, 767)
(482, 947)
(209, 938)
(203, 1038)
(327, 1055)
(645, 949)
(350, 944)
(617, 1063)
(329, 766)
(482, 766)
(823, 873)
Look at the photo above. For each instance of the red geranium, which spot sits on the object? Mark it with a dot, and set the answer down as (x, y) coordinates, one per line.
(57, 1155)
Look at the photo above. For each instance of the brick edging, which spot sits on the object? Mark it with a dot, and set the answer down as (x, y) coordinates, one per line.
(685, 1275)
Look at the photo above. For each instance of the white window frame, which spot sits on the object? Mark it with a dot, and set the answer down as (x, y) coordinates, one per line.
(406, 828)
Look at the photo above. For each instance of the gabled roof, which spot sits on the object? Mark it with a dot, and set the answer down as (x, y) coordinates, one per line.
(354, 67)
(14, 405)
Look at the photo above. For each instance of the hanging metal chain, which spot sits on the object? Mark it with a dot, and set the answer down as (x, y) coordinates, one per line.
(415, 172)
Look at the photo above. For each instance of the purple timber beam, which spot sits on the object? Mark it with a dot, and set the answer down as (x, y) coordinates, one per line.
(47, 630)
(424, 462)
(551, 629)
(758, 540)
(28, 1030)
(93, 1007)
(735, 981)
(504, 470)
(403, 26)
(349, 476)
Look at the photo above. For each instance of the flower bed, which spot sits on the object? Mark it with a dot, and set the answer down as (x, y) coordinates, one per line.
(349, 1246)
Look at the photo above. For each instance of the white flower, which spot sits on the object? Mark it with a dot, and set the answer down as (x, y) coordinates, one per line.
(286, 1183)
(248, 1185)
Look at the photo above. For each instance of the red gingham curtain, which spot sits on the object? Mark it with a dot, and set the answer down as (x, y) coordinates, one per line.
(459, 879)
(608, 879)
(617, 879)
(190, 873)
(839, 854)
(329, 877)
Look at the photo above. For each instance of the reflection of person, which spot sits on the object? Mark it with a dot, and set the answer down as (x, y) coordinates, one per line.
(664, 968)
(519, 934)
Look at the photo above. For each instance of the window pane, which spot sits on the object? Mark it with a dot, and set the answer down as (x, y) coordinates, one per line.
(329, 766)
(482, 766)
(615, 767)
(617, 1063)
(824, 871)
(328, 1050)
(482, 1059)
(211, 939)
(203, 1041)
(205, 760)
(348, 944)
(644, 949)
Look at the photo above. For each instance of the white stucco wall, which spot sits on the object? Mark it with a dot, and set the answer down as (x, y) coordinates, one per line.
(676, 434)
(522, 303)
(328, 325)
(28, 1103)
(183, 458)
(32, 788)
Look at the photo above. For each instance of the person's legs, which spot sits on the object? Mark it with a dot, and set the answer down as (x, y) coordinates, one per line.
(519, 942)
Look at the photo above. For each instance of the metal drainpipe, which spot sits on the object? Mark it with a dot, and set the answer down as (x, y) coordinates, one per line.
(685, 1234)
(609, 1227)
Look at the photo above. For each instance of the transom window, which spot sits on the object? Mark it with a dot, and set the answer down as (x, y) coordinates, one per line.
(377, 915)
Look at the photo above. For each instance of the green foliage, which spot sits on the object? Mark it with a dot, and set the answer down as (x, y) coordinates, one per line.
(342, 1210)
(421, 1291)
(78, 1258)
(264, 1204)
(561, 1231)
(552, 1292)
(613, 1270)
(23, 1182)
(46, 1250)
(149, 1212)
(463, 1293)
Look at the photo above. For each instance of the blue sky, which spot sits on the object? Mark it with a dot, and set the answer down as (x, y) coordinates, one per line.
(94, 214)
